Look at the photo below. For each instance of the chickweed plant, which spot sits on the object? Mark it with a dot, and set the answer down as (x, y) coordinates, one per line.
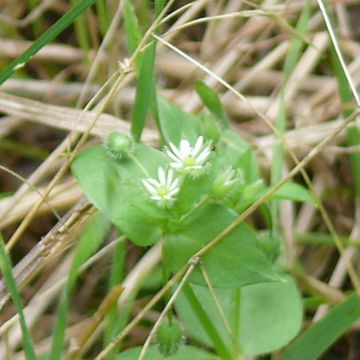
(183, 195)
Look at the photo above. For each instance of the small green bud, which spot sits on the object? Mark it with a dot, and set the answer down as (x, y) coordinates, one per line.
(118, 145)
(225, 184)
(169, 336)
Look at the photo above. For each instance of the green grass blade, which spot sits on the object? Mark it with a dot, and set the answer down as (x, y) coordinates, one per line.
(212, 101)
(348, 98)
(90, 240)
(103, 16)
(315, 340)
(145, 99)
(207, 324)
(159, 6)
(6, 270)
(145, 85)
(45, 38)
(116, 277)
(81, 33)
(289, 66)
(132, 29)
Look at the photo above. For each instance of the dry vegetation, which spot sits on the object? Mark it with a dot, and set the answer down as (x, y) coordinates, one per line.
(43, 210)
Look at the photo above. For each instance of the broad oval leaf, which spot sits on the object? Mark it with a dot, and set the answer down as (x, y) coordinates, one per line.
(115, 188)
(263, 317)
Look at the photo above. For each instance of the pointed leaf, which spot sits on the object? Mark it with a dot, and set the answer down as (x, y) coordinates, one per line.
(236, 261)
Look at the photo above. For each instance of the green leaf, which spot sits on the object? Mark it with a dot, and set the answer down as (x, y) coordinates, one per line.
(247, 162)
(176, 124)
(212, 101)
(348, 96)
(295, 192)
(319, 337)
(207, 324)
(184, 353)
(263, 317)
(291, 60)
(132, 28)
(115, 188)
(145, 83)
(233, 144)
(237, 153)
(45, 38)
(270, 245)
(209, 128)
(145, 70)
(117, 274)
(6, 270)
(237, 260)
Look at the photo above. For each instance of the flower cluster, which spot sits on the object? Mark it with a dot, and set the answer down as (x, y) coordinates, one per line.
(186, 160)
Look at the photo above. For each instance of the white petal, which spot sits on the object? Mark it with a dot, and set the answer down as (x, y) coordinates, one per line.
(197, 146)
(154, 183)
(173, 192)
(173, 156)
(169, 178)
(176, 165)
(202, 157)
(149, 187)
(185, 148)
(156, 197)
(174, 184)
(175, 150)
(162, 177)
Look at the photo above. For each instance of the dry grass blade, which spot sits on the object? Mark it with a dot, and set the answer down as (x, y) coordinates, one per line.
(64, 118)
(55, 242)
(78, 343)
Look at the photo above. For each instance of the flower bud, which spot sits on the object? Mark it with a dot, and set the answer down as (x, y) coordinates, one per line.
(226, 183)
(118, 145)
(169, 336)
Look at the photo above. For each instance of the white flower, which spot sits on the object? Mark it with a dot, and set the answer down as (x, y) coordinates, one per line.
(163, 190)
(188, 159)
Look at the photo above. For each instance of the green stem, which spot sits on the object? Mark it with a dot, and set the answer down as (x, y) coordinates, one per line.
(203, 201)
(236, 320)
(207, 324)
(139, 164)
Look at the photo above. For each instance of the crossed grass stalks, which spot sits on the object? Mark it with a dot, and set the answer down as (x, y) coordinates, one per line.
(195, 260)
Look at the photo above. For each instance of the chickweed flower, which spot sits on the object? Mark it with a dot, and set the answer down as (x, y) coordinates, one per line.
(188, 159)
(164, 189)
